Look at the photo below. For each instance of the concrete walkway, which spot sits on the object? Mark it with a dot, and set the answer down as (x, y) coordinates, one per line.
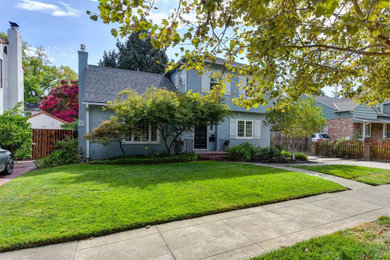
(237, 234)
(323, 160)
(21, 167)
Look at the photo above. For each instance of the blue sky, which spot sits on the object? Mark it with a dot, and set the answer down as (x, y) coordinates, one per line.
(61, 26)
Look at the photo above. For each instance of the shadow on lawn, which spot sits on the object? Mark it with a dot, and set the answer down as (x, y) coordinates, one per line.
(143, 176)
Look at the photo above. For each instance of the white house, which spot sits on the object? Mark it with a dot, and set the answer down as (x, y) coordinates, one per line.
(44, 120)
(11, 70)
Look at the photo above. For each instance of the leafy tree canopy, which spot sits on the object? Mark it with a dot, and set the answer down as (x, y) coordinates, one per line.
(171, 113)
(297, 121)
(41, 75)
(292, 47)
(136, 54)
(16, 133)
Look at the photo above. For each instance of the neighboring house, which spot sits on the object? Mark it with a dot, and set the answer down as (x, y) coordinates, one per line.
(11, 70)
(98, 85)
(350, 120)
(44, 120)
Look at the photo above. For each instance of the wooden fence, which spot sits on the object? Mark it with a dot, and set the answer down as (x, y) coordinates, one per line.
(380, 151)
(343, 149)
(277, 139)
(44, 141)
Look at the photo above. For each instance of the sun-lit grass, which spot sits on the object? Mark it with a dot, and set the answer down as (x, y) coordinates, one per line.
(367, 175)
(368, 241)
(79, 201)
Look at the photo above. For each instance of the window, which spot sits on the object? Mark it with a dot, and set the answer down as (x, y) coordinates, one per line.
(145, 133)
(213, 83)
(244, 128)
(379, 107)
(368, 130)
(387, 131)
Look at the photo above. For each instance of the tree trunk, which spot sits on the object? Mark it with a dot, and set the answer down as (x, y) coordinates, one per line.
(123, 151)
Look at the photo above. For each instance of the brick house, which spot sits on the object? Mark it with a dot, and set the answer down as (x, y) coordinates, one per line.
(349, 120)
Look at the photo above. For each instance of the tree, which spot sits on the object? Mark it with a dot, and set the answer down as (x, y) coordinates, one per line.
(171, 114)
(292, 47)
(107, 132)
(62, 101)
(137, 53)
(16, 133)
(40, 74)
(297, 121)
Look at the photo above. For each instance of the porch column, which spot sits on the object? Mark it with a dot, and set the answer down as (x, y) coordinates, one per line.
(364, 131)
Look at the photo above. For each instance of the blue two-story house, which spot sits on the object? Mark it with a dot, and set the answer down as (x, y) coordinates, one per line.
(98, 85)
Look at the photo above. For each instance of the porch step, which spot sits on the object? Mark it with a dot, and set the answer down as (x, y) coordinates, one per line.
(212, 155)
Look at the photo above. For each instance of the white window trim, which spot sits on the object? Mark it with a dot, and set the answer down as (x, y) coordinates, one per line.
(253, 132)
(361, 129)
(144, 142)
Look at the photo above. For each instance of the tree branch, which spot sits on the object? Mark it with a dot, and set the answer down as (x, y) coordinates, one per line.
(360, 52)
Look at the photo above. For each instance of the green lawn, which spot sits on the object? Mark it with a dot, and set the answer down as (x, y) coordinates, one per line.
(368, 241)
(84, 200)
(367, 175)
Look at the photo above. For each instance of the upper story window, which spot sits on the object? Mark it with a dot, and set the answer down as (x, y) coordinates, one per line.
(245, 128)
(213, 82)
(379, 107)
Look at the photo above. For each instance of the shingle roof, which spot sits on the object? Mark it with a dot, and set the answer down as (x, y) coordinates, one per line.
(346, 105)
(103, 84)
(330, 101)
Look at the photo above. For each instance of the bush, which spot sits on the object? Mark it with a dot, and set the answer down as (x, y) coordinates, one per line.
(301, 157)
(269, 155)
(187, 157)
(66, 153)
(244, 152)
(286, 154)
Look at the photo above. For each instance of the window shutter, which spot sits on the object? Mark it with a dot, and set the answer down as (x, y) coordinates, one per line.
(206, 81)
(242, 85)
(227, 89)
(257, 128)
(233, 128)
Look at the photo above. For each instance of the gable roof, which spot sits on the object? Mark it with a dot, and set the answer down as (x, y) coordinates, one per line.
(345, 105)
(103, 84)
(331, 101)
(49, 115)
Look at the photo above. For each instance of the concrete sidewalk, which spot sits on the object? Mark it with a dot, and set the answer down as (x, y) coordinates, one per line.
(373, 164)
(237, 234)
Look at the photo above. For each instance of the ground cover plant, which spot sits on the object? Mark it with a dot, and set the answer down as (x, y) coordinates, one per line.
(83, 200)
(373, 176)
(367, 241)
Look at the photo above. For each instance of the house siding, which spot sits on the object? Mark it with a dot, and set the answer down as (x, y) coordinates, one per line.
(329, 113)
(363, 111)
(386, 108)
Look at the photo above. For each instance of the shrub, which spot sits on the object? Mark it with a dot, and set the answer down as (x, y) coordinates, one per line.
(66, 153)
(186, 157)
(301, 157)
(244, 152)
(286, 154)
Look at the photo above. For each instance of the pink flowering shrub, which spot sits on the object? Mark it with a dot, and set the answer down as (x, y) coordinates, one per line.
(62, 101)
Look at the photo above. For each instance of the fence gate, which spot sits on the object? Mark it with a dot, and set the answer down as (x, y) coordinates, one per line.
(44, 141)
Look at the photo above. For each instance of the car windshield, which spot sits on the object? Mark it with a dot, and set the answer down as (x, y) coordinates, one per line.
(324, 136)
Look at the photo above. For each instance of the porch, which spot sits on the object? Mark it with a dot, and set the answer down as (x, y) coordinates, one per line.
(372, 130)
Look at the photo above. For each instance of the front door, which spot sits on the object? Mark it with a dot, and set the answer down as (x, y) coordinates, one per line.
(200, 140)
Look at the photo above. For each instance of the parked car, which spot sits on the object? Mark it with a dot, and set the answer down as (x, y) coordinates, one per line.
(319, 137)
(6, 162)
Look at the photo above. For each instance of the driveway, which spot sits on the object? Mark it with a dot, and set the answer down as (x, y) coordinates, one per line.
(323, 160)
(21, 167)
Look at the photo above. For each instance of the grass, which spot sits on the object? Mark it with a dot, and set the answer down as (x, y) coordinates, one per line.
(373, 176)
(83, 200)
(367, 241)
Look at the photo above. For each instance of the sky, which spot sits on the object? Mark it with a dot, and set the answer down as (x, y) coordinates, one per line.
(61, 26)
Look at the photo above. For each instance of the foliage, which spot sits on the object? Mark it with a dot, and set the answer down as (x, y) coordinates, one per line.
(367, 241)
(297, 121)
(66, 152)
(243, 152)
(71, 125)
(109, 131)
(62, 101)
(172, 113)
(269, 155)
(79, 201)
(41, 75)
(373, 176)
(301, 157)
(136, 54)
(16, 133)
(186, 157)
(292, 47)
(286, 154)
